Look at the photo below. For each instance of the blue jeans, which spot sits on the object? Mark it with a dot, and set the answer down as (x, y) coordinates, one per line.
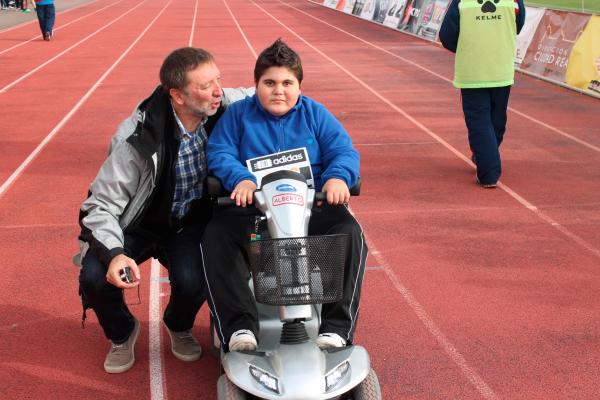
(179, 252)
(45, 16)
(485, 116)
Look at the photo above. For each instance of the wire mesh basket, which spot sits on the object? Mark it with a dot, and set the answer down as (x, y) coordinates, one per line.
(303, 270)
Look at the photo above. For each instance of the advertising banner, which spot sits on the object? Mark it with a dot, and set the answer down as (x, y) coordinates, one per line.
(348, 6)
(430, 18)
(368, 9)
(559, 46)
(358, 7)
(583, 70)
(381, 9)
(331, 3)
(552, 42)
(533, 16)
(409, 21)
(395, 13)
(341, 5)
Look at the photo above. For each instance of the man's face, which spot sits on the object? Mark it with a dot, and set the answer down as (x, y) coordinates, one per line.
(278, 90)
(202, 95)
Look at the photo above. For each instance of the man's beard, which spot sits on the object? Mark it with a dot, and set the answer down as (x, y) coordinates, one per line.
(202, 111)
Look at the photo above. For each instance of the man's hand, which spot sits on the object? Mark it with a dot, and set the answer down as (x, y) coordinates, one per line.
(243, 193)
(337, 191)
(114, 271)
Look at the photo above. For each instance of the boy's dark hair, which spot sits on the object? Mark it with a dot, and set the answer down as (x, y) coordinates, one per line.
(178, 63)
(278, 54)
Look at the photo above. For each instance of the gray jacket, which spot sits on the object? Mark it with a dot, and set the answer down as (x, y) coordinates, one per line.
(120, 192)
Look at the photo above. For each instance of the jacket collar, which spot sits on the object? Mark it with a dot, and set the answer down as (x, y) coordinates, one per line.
(155, 124)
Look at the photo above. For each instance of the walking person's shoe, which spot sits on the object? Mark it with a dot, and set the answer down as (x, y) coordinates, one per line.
(121, 356)
(490, 185)
(47, 36)
(184, 345)
(329, 340)
(242, 340)
(27, 10)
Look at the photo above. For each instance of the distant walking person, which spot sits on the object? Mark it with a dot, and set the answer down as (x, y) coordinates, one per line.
(45, 13)
(483, 33)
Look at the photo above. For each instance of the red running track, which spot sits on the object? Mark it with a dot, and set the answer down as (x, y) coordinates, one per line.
(469, 293)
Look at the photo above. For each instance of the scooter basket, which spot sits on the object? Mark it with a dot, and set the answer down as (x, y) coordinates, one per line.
(303, 270)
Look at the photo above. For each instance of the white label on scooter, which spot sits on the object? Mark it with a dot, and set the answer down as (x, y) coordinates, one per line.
(287, 198)
(291, 160)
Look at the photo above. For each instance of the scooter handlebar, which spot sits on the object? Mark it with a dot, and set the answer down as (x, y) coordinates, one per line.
(319, 196)
(225, 202)
(228, 202)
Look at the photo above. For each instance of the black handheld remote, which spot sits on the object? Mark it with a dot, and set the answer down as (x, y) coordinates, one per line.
(126, 275)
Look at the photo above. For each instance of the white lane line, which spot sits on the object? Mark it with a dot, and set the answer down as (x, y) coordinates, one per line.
(577, 239)
(157, 379)
(240, 29)
(36, 226)
(448, 347)
(57, 14)
(431, 326)
(193, 25)
(395, 143)
(157, 373)
(34, 70)
(60, 27)
(13, 177)
(530, 118)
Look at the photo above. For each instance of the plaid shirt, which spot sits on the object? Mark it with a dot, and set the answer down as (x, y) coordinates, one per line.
(190, 168)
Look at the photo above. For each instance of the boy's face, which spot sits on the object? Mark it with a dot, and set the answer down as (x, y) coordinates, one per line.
(278, 90)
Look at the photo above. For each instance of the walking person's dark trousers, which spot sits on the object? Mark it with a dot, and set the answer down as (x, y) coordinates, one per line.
(485, 117)
(179, 252)
(46, 15)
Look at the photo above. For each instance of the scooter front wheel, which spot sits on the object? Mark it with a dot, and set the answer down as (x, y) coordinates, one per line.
(368, 389)
(226, 390)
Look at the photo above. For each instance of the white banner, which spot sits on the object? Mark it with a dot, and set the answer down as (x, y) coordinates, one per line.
(533, 16)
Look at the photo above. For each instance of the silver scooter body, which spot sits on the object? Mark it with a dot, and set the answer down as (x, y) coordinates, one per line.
(299, 371)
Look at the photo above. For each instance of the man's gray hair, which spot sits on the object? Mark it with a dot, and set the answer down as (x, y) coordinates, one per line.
(178, 63)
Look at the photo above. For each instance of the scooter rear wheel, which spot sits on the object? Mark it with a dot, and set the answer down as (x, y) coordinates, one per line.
(226, 390)
(368, 389)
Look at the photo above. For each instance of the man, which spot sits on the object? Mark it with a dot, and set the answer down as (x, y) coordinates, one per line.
(482, 33)
(148, 201)
(276, 119)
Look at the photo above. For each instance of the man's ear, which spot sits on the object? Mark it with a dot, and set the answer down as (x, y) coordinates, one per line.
(176, 95)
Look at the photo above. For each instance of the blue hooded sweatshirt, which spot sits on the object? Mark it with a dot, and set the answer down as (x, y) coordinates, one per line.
(247, 130)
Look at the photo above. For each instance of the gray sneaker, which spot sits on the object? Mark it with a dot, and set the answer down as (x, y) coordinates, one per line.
(184, 346)
(121, 357)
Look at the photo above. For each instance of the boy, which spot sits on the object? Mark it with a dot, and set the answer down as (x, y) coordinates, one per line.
(276, 119)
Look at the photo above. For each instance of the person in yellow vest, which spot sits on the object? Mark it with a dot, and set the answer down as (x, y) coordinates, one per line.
(483, 33)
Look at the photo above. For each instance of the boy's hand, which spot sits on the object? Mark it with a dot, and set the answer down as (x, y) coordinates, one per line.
(243, 193)
(337, 191)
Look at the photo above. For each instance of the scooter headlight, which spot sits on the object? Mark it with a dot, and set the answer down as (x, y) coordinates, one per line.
(336, 375)
(265, 379)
